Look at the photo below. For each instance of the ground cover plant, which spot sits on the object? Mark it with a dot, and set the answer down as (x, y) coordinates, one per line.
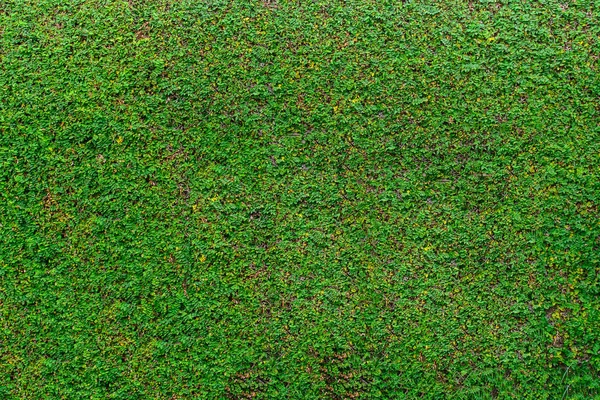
(309, 199)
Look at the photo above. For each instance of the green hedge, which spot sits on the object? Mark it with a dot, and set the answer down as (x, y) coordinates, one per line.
(309, 199)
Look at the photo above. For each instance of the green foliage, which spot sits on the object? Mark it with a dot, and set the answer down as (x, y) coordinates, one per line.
(310, 199)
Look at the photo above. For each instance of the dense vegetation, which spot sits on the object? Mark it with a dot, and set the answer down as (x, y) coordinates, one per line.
(309, 199)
